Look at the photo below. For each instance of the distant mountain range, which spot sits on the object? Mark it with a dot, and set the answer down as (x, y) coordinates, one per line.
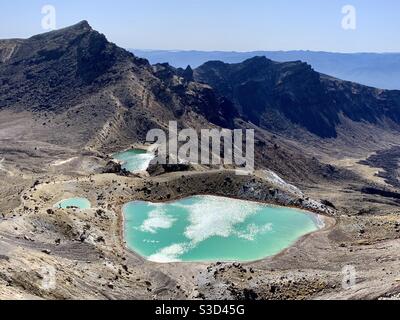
(371, 69)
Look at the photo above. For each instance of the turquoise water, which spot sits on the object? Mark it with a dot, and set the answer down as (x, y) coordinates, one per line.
(80, 203)
(134, 160)
(208, 228)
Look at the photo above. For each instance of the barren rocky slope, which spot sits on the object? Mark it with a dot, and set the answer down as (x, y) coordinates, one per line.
(76, 82)
(278, 96)
(69, 98)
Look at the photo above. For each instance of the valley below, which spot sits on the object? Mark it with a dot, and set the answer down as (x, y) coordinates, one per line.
(92, 260)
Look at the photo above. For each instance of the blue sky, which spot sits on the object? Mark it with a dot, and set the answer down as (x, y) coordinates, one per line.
(239, 25)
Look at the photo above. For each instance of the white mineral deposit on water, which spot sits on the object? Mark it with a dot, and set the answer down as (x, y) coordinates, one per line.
(134, 160)
(80, 203)
(209, 228)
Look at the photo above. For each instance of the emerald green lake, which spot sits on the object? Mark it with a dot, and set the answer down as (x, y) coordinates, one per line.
(209, 228)
(80, 203)
(134, 160)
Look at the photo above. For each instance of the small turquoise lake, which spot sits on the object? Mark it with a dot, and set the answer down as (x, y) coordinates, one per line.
(80, 203)
(210, 228)
(134, 160)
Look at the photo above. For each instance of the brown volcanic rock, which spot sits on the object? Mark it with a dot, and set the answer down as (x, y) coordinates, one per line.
(269, 94)
(87, 91)
(56, 69)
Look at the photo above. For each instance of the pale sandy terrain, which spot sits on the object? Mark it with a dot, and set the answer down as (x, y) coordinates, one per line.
(87, 254)
(367, 172)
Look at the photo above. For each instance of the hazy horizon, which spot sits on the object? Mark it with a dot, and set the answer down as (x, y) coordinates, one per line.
(261, 50)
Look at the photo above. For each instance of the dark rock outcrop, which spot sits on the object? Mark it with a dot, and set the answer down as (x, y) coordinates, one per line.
(114, 167)
(66, 68)
(158, 169)
(279, 96)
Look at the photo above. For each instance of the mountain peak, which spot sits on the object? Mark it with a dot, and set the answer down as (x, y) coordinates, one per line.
(82, 25)
(69, 59)
(72, 31)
